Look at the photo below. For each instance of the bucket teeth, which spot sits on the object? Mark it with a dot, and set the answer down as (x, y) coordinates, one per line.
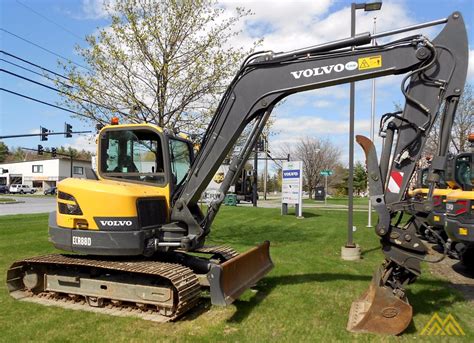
(379, 311)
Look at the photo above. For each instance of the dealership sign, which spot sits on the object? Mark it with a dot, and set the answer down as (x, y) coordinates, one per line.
(292, 185)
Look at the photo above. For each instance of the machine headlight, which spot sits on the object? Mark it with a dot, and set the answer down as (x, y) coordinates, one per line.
(69, 206)
(72, 208)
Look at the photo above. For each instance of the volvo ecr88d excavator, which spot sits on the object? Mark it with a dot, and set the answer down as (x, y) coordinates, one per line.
(137, 225)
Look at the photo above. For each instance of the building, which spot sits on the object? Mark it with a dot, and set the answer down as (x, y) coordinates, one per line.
(42, 174)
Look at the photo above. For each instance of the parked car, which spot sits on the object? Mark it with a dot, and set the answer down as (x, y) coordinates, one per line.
(4, 189)
(21, 189)
(50, 191)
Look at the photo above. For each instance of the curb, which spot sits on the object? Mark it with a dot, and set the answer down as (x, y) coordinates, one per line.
(11, 202)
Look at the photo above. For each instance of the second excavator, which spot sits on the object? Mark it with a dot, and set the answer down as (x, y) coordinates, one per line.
(140, 232)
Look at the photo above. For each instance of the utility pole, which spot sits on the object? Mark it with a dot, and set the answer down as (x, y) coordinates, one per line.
(255, 176)
(265, 170)
(71, 157)
(325, 189)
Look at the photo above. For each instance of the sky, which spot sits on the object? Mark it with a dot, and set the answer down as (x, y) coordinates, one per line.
(284, 25)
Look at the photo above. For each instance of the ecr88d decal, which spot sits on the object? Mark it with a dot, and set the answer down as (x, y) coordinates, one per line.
(87, 241)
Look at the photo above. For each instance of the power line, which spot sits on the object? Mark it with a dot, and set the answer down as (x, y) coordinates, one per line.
(51, 21)
(41, 101)
(60, 91)
(43, 48)
(34, 64)
(52, 72)
(35, 72)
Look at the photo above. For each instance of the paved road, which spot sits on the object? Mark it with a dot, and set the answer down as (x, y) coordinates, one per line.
(29, 205)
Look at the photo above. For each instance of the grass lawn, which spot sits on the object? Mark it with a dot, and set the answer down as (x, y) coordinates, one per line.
(34, 195)
(3, 200)
(305, 298)
(339, 201)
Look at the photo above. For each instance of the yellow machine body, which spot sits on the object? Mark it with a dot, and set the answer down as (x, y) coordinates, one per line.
(103, 198)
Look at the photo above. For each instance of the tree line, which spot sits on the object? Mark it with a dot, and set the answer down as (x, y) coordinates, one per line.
(17, 154)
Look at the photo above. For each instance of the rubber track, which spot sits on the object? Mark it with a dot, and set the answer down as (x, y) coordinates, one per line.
(225, 251)
(182, 278)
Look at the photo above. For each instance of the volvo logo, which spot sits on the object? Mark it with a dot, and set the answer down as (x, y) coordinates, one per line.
(116, 222)
(324, 70)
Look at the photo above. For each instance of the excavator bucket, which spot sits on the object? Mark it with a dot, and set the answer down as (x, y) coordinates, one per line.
(379, 311)
(231, 278)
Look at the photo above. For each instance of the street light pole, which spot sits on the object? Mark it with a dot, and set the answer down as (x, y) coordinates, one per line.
(372, 126)
(255, 177)
(350, 187)
(350, 250)
(265, 170)
(326, 189)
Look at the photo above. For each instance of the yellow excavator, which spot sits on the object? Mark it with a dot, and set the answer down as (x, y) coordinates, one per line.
(429, 217)
(139, 233)
(459, 222)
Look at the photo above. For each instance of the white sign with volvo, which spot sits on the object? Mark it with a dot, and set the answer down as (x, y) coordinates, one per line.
(292, 186)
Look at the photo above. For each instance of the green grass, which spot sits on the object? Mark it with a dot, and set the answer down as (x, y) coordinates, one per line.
(29, 195)
(305, 298)
(7, 200)
(339, 201)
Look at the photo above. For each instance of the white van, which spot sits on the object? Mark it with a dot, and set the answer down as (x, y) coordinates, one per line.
(21, 189)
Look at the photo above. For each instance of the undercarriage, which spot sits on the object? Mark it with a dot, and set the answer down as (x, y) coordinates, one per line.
(158, 288)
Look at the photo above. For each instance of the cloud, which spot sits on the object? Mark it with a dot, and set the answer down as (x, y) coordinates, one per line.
(291, 25)
(83, 142)
(322, 103)
(93, 9)
(307, 125)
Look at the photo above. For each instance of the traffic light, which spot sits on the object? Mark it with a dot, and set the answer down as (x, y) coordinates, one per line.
(53, 152)
(67, 130)
(44, 133)
(261, 144)
(40, 149)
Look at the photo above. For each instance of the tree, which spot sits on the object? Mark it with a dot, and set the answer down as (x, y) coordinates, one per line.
(360, 178)
(164, 62)
(4, 152)
(464, 121)
(340, 180)
(16, 155)
(316, 154)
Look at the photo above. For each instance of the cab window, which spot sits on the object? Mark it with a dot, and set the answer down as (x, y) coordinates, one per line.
(180, 157)
(464, 174)
(133, 155)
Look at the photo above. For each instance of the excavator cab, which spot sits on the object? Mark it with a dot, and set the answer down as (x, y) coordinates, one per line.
(139, 166)
(143, 154)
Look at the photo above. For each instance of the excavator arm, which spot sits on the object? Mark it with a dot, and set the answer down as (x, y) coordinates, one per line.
(435, 76)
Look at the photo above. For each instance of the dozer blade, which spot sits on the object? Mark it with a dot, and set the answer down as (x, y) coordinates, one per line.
(231, 278)
(379, 310)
